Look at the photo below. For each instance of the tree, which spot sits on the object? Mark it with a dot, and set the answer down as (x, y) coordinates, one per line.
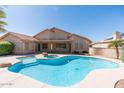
(116, 44)
(2, 23)
(6, 47)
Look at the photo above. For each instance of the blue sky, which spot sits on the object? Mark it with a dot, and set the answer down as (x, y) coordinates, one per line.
(95, 22)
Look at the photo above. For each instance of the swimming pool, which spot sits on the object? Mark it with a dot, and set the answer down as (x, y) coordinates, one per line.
(63, 71)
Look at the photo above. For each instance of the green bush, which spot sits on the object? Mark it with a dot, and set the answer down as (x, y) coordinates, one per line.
(85, 52)
(6, 47)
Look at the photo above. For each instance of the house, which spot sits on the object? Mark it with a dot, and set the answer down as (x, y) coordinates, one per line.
(52, 40)
(101, 48)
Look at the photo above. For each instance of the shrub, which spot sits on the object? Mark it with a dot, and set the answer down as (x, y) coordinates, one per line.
(6, 47)
(76, 52)
(85, 52)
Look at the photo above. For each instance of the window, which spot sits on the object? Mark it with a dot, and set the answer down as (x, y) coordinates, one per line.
(44, 46)
(26, 46)
(78, 45)
(60, 45)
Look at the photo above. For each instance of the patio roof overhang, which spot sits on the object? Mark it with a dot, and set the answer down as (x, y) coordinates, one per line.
(55, 41)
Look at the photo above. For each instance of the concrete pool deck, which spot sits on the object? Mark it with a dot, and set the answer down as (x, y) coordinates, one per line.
(99, 78)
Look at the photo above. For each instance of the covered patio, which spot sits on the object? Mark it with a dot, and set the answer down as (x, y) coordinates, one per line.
(54, 46)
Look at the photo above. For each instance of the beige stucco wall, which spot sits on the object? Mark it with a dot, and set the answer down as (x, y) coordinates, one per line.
(103, 50)
(101, 45)
(106, 52)
(83, 44)
(30, 47)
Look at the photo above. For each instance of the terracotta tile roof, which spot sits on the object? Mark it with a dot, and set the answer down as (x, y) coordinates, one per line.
(111, 38)
(70, 34)
(51, 29)
(21, 36)
(32, 38)
(82, 37)
(55, 28)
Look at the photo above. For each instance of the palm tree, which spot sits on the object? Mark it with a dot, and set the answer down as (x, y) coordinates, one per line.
(2, 23)
(116, 44)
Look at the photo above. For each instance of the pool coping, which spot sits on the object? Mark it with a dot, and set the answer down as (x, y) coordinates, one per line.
(19, 79)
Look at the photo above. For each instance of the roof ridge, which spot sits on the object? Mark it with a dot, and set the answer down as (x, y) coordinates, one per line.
(23, 36)
(40, 32)
(82, 37)
(60, 30)
(19, 34)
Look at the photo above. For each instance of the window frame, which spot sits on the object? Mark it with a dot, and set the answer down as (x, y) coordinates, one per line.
(46, 47)
(60, 45)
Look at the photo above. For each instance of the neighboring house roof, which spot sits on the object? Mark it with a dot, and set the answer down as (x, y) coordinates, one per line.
(20, 36)
(110, 38)
(70, 34)
(100, 42)
(54, 28)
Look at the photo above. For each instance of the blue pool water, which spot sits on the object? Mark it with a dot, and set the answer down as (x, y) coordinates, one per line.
(63, 71)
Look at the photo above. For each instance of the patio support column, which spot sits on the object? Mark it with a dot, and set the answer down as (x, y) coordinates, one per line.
(68, 46)
(51, 47)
